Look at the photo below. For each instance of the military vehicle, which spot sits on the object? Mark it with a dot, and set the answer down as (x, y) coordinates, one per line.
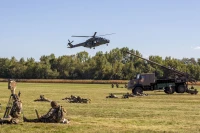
(92, 42)
(148, 81)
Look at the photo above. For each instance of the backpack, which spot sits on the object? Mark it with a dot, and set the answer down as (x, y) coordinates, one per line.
(60, 114)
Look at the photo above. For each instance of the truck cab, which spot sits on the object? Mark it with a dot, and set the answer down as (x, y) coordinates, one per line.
(141, 82)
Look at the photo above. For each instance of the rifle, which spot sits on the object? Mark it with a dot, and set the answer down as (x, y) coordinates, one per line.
(8, 107)
(37, 114)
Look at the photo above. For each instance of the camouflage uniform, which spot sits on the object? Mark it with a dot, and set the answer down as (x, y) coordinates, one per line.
(112, 96)
(16, 109)
(112, 85)
(125, 85)
(54, 115)
(117, 85)
(15, 112)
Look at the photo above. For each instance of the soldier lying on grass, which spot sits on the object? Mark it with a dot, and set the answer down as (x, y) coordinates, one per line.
(55, 115)
(77, 99)
(42, 98)
(111, 95)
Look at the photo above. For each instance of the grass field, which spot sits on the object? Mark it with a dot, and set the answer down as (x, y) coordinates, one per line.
(156, 112)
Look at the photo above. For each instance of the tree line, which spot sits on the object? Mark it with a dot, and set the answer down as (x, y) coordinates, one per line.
(116, 64)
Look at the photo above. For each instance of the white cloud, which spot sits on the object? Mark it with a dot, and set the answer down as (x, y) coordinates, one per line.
(198, 47)
(195, 47)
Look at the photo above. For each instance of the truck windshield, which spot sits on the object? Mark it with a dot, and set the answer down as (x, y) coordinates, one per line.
(138, 76)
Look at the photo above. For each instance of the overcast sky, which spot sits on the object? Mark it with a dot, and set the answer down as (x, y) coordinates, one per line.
(32, 28)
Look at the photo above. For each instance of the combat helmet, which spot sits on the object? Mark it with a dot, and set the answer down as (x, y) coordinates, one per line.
(54, 104)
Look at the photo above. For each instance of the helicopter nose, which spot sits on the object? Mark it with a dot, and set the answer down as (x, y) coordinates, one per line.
(108, 41)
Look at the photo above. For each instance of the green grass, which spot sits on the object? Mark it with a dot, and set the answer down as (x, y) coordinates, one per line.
(157, 112)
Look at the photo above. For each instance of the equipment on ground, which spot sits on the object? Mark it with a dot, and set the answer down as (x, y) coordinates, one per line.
(92, 42)
(148, 81)
(7, 117)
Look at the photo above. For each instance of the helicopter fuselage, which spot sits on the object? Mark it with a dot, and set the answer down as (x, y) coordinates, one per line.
(94, 42)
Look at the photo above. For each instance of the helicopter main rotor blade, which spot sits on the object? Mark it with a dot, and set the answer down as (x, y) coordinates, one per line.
(94, 34)
(106, 34)
(81, 36)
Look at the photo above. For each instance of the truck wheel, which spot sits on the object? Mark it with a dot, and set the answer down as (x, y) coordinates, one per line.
(169, 90)
(137, 90)
(166, 90)
(172, 89)
(181, 89)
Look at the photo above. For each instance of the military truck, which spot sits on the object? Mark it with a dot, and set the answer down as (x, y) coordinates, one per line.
(147, 81)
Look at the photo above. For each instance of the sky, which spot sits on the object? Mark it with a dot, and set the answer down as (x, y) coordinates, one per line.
(33, 28)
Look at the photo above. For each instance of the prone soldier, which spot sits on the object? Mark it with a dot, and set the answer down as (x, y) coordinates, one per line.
(111, 95)
(77, 99)
(42, 98)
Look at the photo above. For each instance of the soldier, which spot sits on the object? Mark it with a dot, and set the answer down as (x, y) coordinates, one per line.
(125, 85)
(14, 106)
(42, 98)
(13, 116)
(79, 99)
(86, 100)
(16, 109)
(192, 87)
(117, 85)
(55, 115)
(112, 85)
(112, 96)
(125, 96)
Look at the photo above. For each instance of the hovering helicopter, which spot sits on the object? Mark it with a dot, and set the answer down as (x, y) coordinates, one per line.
(92, 42)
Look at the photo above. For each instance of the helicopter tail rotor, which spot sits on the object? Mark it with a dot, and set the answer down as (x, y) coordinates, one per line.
(70, 44)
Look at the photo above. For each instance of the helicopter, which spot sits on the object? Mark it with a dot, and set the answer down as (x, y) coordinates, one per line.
(92, 42)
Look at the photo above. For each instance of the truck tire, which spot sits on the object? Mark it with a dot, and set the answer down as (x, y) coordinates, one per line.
(169, 90)
(181, 89)
(173, 89)
(137, 90)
